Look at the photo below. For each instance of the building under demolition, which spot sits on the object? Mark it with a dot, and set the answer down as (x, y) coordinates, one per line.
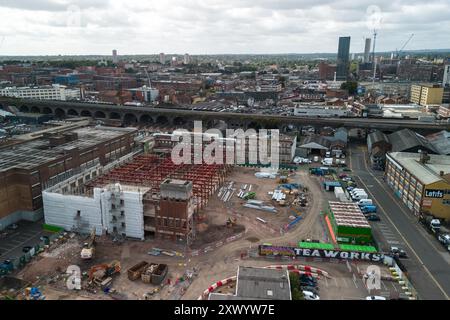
(247, 150)
(149, 195)
(41, 159)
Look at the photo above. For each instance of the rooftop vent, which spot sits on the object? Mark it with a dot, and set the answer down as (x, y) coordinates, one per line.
(424, 157)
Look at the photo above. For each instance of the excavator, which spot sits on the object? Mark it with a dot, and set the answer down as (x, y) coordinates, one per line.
(101, 274)
(231, 222)
(88, 247)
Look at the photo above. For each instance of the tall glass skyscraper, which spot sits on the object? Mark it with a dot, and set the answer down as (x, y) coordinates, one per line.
(343, 59)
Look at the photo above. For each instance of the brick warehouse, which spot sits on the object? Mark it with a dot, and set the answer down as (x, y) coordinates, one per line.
(27, 167)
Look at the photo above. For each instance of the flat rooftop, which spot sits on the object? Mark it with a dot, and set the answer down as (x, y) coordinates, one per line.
(348, 214)
(426, 173)
(258, 284)
(31, 154)
(263, 284)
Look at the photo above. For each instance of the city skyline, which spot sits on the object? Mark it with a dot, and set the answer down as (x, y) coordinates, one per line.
(216, 27)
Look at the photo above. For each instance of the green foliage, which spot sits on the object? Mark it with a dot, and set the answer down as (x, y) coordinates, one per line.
(297, 294)
(351, 86)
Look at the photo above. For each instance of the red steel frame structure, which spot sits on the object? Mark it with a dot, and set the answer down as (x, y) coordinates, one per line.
(151, 170)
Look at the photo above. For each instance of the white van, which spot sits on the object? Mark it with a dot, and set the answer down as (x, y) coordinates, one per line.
(365, 202)
(357, 191)
(360, 196)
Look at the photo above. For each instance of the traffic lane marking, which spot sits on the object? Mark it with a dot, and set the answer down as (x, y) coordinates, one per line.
(410, 247)
(410, 217)
(401, 235)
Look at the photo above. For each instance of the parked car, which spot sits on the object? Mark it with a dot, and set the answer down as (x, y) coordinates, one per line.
(12, 226)
(373, 217)
(308, 278)
(26, 249)
(399, 252)
(308, 283)
(310, 295)
(375, 298)
(314, 290)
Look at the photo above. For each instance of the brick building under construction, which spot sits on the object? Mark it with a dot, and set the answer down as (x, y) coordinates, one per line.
(148, 195)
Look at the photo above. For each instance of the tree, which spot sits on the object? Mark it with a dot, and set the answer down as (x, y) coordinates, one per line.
(297, 294)
(351, 86)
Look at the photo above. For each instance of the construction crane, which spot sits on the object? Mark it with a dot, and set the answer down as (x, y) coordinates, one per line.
(148, 78)
(375, 33)
(398, 52)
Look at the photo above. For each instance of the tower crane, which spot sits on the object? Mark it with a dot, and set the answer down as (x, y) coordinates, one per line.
(398, 52)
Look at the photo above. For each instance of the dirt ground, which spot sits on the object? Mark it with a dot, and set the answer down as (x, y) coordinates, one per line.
(48, 270)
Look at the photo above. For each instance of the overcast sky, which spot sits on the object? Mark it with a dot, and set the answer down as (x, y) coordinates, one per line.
(39, 27)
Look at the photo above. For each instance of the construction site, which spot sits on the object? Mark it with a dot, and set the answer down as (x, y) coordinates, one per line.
(143, 227)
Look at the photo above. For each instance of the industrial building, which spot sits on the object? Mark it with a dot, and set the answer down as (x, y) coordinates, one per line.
(349, 223)
(421, 181)
(426, 94)
(259, 284)
(53, 92)
(40, 160)
(379, 143)
(164, 143)
(149, 195)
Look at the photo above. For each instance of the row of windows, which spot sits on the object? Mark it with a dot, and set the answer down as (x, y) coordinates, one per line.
(174, 223)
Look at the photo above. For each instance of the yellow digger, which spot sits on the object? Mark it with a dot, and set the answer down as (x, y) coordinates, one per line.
(88, 247)
(231, 222)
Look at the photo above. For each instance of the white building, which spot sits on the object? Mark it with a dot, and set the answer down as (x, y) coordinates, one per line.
(53, 92)
(113, 209)
(446, 81)
(162, 58)
(115, 59)
(187, 59)
(319, 111)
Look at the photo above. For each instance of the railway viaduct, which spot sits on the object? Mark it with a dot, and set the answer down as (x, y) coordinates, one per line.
(131, 115)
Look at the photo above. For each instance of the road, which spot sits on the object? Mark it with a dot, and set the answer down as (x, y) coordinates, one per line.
(428, 263)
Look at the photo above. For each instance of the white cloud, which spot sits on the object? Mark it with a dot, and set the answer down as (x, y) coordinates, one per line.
(214, 26)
